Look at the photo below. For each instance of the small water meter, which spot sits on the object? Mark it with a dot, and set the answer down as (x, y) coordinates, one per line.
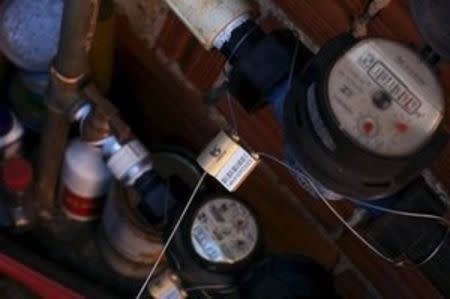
(217, 241)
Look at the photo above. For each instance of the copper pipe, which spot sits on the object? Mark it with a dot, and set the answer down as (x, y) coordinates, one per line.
(77, 32)
(69, 70)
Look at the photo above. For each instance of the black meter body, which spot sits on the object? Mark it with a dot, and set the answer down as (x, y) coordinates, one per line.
(287, 277)
(364, 118)
(433, 20)
(217, 240)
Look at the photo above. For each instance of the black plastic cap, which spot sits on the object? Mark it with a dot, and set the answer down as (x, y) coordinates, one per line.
(265, 65)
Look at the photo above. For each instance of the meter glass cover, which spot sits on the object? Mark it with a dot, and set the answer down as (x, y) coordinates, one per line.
(385, 98)
(224, 231)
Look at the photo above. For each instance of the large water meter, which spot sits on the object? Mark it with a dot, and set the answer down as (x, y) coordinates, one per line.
(365, 117)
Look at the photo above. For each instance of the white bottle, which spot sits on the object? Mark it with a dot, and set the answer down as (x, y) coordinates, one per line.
(86, 180)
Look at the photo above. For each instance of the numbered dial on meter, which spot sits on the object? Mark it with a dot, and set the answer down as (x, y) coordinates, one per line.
(385, 98)
(224, 231)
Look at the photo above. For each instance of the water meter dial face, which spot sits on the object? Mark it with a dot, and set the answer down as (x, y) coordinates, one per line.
(385, 98)
(224, 231)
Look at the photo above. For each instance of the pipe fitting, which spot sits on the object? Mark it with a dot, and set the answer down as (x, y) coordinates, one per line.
(95, 128)
(127, 162)
(106, 112)
(63, 93)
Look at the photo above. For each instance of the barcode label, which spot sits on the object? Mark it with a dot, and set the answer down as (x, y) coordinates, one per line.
(239, 166)
(227, 161)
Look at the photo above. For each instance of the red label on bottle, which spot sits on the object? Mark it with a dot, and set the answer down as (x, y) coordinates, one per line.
(82, 208)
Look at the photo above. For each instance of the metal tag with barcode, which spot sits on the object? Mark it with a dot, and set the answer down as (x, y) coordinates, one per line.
(166, 285)
(226, 160)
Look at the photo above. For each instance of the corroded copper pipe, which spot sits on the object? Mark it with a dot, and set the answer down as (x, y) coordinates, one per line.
(69, 70)
(77, 32)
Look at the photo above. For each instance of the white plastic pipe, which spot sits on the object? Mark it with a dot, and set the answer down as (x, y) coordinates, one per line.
(211, 21)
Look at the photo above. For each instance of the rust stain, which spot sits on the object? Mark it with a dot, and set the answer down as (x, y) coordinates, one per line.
(95, 4)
